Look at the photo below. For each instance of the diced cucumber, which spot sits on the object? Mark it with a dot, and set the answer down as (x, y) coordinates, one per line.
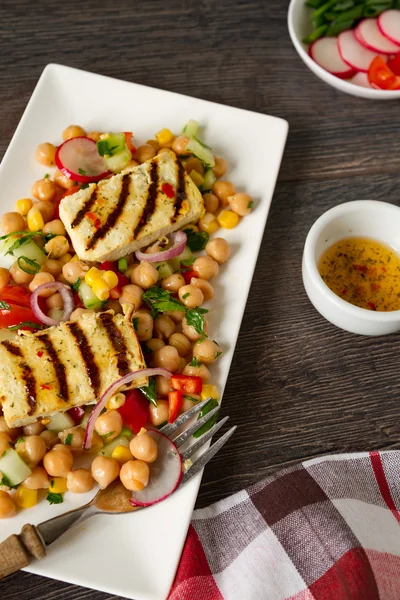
(88, 412)
(126, 432)
(31, 251)
(108, 449)
(191, 128)
(111, 144)
(164, 269)
(201, 152)
(88, 297)
(117, 162)
(122, 265)
(209, 180)
(13, 467)
(175, 262)
(59, 422)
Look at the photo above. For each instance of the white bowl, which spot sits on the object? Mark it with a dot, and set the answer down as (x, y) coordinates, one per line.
(365, 218)
(299, 25)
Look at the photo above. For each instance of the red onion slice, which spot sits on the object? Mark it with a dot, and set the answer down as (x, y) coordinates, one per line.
(113, 390)
(67, 297)
(179, 242)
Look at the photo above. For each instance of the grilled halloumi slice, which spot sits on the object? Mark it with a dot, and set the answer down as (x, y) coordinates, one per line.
(117, 216)
(64, 366)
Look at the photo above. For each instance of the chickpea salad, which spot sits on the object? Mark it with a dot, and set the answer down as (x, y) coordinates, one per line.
(104, 273)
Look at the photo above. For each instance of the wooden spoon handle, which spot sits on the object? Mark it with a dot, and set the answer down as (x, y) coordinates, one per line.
(17, 551)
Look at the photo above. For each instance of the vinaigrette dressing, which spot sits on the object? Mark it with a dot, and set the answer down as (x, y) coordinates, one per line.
(364, 272)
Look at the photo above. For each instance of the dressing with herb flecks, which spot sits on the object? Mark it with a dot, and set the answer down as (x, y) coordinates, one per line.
(364, 272)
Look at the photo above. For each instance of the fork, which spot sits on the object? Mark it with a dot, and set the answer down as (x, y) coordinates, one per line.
(17, 551)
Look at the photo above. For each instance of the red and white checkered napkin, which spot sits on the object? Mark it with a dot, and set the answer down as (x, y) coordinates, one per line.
(327, 529)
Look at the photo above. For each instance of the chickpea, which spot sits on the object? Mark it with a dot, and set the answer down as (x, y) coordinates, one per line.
(78, 313)
(45, 154)
(13, 432)
(206, 351)
(33, 428)
(219, 250)
(46, 209)
(194, 164)
(158, 414)
(104, 470)
(144, 275)
(220, 166)
(7, 506)
(134, 475)
(176, 315)
(73, 131)
(63, 181)
(205, 267)
(164, 149)
(183, 363)
(50, 438)
(190, 332)
(211, 202)
(164, 326)
(143, 447)
(173, 283)
(58, 461)
(205, 286)
(109, 424)
(223, 189)
(74, 270)
(168, 358)
(55, 301)
(37, 480)
(57, 246)
(200, 371)
(56, 227)
(131, 164)
(12, 221)
(51, 266)
(163, 385)
(94, 135)
(40, 279)
(131, 294)
(114, 305)
(44, 190)
(179, 145)
(181, 343)
(145, 152)
(75, 437)
(189, 400)
(31, 449)
(80, 481)
(19, 275)
(191, 296)
(4, 277)
(154, 143)
(154, 344)
(241, 204)
(5, 442)
(116, 401)
(143, 324)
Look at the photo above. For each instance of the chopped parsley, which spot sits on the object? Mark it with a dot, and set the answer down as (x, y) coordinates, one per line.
(195, 318)
(185, 296)
(146, 349)
(30, 324)
(76, 284)
(135, 323)
(5, 481)
(84, 186)
(218, 354)
(19, 440)
(250, 204)
(161, 301)
(81, 171)
(106, 435)
(54, 498)
(150, 391)
(46, 176)
(4, 305)
(194, 362)
(104, 149)
(28, 266)
(196, 240)
(68, 440)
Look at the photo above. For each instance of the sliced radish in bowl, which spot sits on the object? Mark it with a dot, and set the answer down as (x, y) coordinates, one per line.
(165, 473)
(389, 24)
(353, 53)
(370, 36)
(326, 54)
(78, 159)
(361, 79)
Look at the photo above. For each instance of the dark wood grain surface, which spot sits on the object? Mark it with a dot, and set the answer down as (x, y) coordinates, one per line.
(298, 387)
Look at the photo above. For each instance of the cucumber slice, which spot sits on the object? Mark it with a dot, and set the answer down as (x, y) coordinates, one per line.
(31, 251)
(117, 162)
(59, 422)
(191, 128)
(209, 180)
(13, 467)
(202, 152)
(164, 270)
(111, 144)
(88, 297)
(108, 449)
(175, 262)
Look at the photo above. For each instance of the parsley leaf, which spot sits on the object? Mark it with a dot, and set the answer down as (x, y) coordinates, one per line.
(4, 305)
(81, 171)
(29, 266)
(106, 435)
(185, 296)
(84, 186)
(146, 349)
(211, 404)
(195, 318)
(135, 323)
(54, 498)
(150, 391)
(218, 354)
(46, 176)
(68, 440)
(188, 261)
(5, 481)
(196, 240)
(19, 440)
(161, 300)
(250, 204)
(30, 324)
(76, 284)
(194, 362)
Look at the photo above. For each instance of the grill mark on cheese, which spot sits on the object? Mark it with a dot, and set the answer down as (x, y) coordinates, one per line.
(27, 375)
(150, 203)
(87, 357)
(180, 190)
(118, 343)
(85, 208)
(114, 215)
(58, 366)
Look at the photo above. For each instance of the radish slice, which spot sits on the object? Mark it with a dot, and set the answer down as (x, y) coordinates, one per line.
(326, 54)
(369, 35)
(389, 24)
(79, 160)
(165, 473)
(353, 53)
(361, 79)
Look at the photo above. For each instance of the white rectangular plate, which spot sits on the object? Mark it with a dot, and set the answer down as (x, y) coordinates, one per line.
(136, 555)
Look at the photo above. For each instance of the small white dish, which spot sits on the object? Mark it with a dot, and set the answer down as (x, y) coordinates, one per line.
(363, 218)
(299, 25)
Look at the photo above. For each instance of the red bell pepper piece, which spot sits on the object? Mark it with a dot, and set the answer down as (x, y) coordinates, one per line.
(175, 399)
(135, 411)
(128, 141)
(76, 414)
(108, 265)
(122, 280)
(188, 384)
(382, 76)
(187, 275)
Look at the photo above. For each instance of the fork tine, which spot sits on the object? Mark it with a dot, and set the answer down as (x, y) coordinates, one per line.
(185, 435)
(204, 438)
(171, 427)
(201, 462)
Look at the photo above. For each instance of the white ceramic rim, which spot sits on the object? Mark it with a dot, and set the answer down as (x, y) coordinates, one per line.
(336, 82)
(311, 265)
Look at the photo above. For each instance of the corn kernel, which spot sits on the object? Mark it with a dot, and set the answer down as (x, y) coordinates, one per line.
(228, 219)
(208, 223)
(25, 498)
(196, 177)
(116, 401)
(93, 275)
(100, 289)
(58, 485)
(35, 219)
(111, 279)
(74, 258)
(165, 136)
(121, 454)
(210, 391)
(24, 206)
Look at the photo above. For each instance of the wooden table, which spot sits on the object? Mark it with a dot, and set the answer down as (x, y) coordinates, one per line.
(298, 387)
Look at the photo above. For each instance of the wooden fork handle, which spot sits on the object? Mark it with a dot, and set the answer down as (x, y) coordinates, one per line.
(17, 551)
